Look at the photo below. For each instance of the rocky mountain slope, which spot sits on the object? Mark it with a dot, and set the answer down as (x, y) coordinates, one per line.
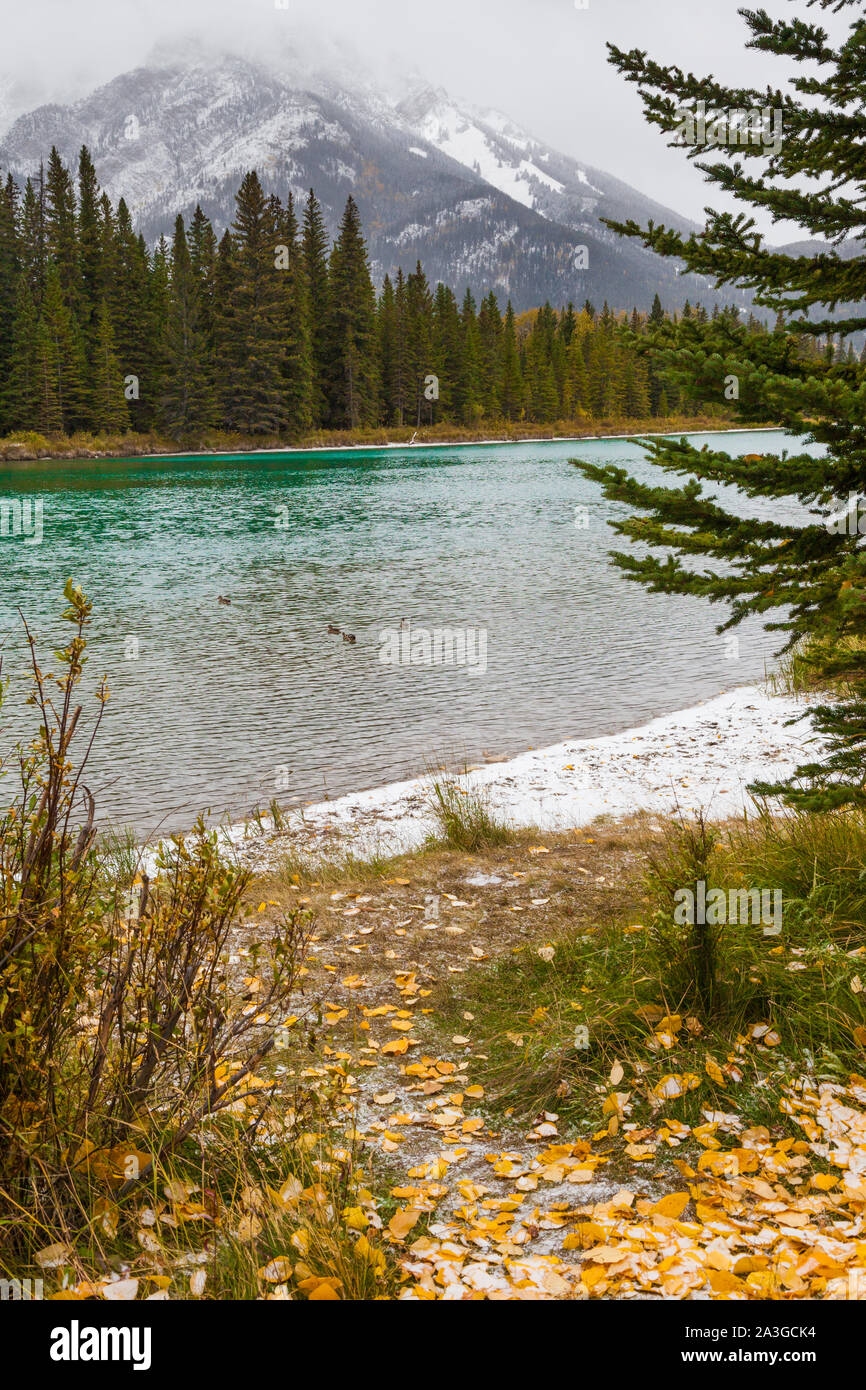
(477, 199)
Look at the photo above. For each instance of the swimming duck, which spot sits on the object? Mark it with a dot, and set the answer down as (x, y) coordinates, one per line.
(331, 628)
(220, 599)
(348, 636)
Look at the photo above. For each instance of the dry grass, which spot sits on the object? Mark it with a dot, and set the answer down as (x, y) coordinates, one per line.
(29, 445)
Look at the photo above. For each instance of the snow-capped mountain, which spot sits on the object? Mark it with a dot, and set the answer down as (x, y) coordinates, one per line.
(477, 199)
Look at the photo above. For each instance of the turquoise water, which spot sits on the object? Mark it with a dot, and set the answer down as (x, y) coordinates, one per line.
(225, 706)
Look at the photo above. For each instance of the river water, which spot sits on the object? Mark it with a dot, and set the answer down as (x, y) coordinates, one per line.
(224, 706)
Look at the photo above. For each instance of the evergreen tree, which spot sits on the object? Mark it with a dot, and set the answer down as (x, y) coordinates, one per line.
(61, 240)
(186, 402)
(255, 395)
(298, 352)
(397, 391)
(129, 300)
(567, 324)
(511, 389)
(90, 250)
(386, 315)
(815, 573)
(32, 241)
(350, 339)
(62, 354)
(490, 338)
(21, 401)
(10, 274)
(448, 357)
(225, 278)
(471, 389)
(47, 414)
(419, 337)
(228, 334)
(314, 244)
(109, 410)
(157, 312)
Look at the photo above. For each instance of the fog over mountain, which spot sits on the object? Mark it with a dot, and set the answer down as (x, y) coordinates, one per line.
(543, 62)
(470, 193)
(504, 190)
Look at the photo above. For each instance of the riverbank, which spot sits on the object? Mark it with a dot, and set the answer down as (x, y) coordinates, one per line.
(702, 758)
(29, 447)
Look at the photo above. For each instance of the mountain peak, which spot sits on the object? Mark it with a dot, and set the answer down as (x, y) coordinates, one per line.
(473, 196)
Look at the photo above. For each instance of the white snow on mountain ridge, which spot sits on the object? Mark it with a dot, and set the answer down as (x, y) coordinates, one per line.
(487, 142)
(466, 211)
(419, 166)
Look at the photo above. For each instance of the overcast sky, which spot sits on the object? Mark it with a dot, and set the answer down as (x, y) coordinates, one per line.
(543, 62)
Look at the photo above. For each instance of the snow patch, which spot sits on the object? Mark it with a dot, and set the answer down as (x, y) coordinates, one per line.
(699, 758)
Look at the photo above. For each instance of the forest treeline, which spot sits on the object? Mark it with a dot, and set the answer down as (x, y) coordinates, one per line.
(273, 330)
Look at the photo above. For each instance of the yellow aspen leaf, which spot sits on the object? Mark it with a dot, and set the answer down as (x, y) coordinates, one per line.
(673, 1205)
(249, 1226)
(277, 1271)
(402, 1221)
(52, 1256)
(120, 1290)
(301, 1241)
(714, 1072)
(367, 1252)
(323, 1293)
(290, 1191)
(355, 1218)
(721, 1281)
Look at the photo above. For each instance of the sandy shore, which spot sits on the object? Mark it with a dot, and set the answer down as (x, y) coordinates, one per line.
(698, 758)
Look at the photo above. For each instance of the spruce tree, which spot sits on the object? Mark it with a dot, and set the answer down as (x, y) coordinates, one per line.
(811, 575)
(186, 403)
(471, 390)
(255, 395)
(109, 412)
(511, 387)
(32, 241)
(490, 339)
(447, 357)
(567, 324)
(62, 349)
(298, 352)
(10, 272)
(60, 230)
(157, 312)
(90, 250)
(21, 389)
(350, 338)
(131, 317)
(419, 338)
(225, 329)
(47, 416)
(386, 316)
(314, 244)
(399, 389)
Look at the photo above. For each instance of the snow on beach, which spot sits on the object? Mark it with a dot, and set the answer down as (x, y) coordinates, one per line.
(698, 758)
